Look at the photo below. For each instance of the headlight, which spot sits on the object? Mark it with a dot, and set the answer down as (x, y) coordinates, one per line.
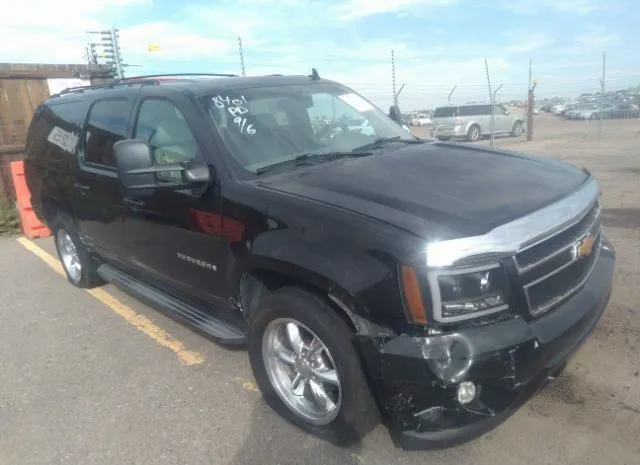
(468, 293)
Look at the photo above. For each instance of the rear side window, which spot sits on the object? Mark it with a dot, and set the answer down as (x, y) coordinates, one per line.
(445, 112)
(475, 110)
(55, 128)
(106, 125)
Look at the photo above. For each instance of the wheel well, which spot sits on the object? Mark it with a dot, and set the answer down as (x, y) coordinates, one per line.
(257, 284)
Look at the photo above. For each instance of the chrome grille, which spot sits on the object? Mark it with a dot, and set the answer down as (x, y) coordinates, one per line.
(553, 269)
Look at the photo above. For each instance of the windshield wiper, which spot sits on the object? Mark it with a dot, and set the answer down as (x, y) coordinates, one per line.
(309, 159)
(381, 141)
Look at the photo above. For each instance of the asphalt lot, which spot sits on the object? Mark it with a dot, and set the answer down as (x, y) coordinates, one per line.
(99, 378)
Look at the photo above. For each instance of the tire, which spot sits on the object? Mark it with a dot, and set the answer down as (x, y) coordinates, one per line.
(474, 133)
(355, 412)
(81, 271)
(517, 129)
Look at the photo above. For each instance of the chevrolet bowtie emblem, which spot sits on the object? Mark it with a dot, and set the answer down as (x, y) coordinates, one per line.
(583, 247)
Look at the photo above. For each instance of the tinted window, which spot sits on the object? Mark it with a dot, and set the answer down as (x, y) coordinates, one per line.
(107, 125)
(55, 128)
(445, 112)
(499, 110)
(475, 110)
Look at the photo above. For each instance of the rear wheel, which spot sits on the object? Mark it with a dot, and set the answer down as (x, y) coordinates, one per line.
(76, 261)
(517, 129)
(474, 133)
(307, 369)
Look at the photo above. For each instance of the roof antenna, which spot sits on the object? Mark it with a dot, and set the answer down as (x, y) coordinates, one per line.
(314, 74)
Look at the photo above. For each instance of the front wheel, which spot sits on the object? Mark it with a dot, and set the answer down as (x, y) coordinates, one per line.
(307, 369)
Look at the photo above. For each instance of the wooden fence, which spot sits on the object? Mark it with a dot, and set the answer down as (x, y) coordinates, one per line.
(22, 88)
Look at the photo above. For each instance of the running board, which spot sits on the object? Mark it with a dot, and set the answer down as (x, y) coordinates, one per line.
(222, 331)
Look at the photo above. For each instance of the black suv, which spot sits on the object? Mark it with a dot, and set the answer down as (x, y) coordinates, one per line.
(370, 273)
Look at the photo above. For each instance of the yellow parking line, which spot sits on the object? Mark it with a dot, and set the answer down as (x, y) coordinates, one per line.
(141, 322)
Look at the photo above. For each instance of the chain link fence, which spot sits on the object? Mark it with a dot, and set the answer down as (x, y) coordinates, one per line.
(579, 106)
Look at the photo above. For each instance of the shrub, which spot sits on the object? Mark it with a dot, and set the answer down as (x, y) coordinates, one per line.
(9, 218)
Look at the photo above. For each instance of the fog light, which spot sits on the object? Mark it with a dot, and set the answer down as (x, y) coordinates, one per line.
(466, 392)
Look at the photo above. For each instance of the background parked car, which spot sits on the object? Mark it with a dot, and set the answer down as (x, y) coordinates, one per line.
(592, 112)
(421, 120)
(474, 121)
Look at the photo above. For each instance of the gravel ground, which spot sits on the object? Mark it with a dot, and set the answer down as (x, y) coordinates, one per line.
(82, 385)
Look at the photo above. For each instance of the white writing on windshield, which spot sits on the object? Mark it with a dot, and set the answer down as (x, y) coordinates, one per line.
(236, 108)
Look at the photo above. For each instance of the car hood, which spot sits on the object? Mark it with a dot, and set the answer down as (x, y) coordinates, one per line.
(436, 189)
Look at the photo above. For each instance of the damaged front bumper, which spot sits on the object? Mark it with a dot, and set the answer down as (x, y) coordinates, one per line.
(415, 379)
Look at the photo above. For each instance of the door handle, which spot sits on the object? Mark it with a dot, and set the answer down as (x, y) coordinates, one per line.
(134, 202)
(82, 187)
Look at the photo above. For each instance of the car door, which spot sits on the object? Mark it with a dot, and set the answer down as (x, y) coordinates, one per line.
(96, 200)
(174, 236)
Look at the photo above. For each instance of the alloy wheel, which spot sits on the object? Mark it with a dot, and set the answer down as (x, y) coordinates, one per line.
(302, 371)
(69, 256)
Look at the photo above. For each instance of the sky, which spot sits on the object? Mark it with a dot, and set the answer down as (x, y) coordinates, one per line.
(437, 44)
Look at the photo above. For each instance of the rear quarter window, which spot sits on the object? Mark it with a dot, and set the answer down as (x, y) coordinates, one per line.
(446, 112)
(475, 110)
(55, 130)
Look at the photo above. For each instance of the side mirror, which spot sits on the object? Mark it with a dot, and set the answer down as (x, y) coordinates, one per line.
(394, 114)
(137, 171)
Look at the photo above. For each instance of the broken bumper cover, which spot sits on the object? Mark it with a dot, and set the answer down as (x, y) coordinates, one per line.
(415, 379)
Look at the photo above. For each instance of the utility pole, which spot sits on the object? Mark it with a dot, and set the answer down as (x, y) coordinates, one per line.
(493, 110)
(110, 44)
(604, 57)
(393, 78)
(115, 51)
(244, 74)
(530, 104)
(451, 93)
(92, 54)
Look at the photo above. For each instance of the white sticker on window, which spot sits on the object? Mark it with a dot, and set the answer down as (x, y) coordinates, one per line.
(66, 140)
(356, 102)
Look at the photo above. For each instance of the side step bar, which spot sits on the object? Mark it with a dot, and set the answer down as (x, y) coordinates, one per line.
(222, 331)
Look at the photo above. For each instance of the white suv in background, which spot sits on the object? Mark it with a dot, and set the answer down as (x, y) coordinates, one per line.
(474, 121)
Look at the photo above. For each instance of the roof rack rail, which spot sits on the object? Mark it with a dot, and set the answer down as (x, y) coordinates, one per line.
(150, 76)
(108, 85)
(135, 80)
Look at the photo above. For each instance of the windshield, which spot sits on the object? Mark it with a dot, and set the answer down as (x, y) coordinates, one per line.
(268, 125)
